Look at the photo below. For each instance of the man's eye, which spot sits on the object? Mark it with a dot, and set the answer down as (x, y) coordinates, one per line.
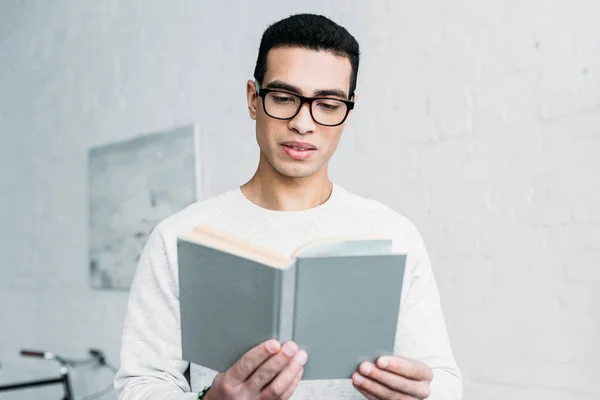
(283, 99)
(329, 106)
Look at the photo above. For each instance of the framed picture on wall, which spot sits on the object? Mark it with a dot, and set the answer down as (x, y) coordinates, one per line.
(133, 185)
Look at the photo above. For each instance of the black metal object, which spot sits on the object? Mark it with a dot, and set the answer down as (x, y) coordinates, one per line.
(64, 379)
(30, 384)
(66, 385)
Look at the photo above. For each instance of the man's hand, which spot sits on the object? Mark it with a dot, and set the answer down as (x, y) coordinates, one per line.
(268, 371)
(393, 378)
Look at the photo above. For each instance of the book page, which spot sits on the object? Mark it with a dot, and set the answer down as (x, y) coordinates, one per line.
(348, 245)
(220, 240)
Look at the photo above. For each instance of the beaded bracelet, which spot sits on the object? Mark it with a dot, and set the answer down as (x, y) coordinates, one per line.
(203, 392)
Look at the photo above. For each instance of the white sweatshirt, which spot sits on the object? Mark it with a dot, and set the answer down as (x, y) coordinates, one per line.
(151, 364)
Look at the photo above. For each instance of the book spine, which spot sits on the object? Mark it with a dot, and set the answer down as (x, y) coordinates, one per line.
(287, 300)
(276, 311)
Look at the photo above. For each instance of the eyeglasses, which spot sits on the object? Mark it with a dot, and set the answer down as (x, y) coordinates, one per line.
(323, 110)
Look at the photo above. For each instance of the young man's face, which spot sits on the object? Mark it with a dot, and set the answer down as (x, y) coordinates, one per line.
(307, 73)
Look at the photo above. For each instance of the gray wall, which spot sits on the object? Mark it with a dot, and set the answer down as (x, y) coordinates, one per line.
(478, 120)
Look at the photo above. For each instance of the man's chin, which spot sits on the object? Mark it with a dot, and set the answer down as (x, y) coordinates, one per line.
(296, 172)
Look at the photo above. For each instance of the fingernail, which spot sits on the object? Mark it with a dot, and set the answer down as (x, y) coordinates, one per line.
(289, 349)
(272, 346)
(301, 357)
(358, 379)
(383, 362)
(366, 368)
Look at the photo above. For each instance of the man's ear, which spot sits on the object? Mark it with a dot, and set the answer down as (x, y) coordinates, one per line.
(252, 98)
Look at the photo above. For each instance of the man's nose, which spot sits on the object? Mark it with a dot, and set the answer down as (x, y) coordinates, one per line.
(303, 122)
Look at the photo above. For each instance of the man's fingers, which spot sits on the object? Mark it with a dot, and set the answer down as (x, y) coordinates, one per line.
(400, 384)
(282, 382)
(406, 367)
(375, 391)
(271, 367)
(367, 395)
(290, 390)
(249, 362)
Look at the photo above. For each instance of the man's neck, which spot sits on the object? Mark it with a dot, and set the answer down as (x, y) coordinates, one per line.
(283, 193)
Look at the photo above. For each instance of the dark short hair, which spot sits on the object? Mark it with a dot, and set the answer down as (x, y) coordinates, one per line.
(310, 31)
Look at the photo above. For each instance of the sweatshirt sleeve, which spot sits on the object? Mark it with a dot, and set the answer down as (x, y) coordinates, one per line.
(151, 364)
(422, 333)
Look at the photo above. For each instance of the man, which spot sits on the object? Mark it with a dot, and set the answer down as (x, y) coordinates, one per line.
(301, 99)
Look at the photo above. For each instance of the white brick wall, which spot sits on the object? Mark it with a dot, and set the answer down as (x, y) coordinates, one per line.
(479, 120)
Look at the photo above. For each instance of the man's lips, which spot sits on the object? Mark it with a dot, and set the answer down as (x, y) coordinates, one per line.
(299, 145)
(298, 150)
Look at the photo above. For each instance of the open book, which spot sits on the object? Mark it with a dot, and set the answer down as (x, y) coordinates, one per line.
(337, 298)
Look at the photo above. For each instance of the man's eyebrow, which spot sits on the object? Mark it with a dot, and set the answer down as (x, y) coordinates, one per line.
(294, 89)
(284, 86)
(331, 92)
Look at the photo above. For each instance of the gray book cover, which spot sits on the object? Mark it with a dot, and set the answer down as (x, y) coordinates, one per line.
(338, 301)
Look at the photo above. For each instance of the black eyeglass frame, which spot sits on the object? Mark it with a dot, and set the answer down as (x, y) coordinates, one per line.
(262, 93)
